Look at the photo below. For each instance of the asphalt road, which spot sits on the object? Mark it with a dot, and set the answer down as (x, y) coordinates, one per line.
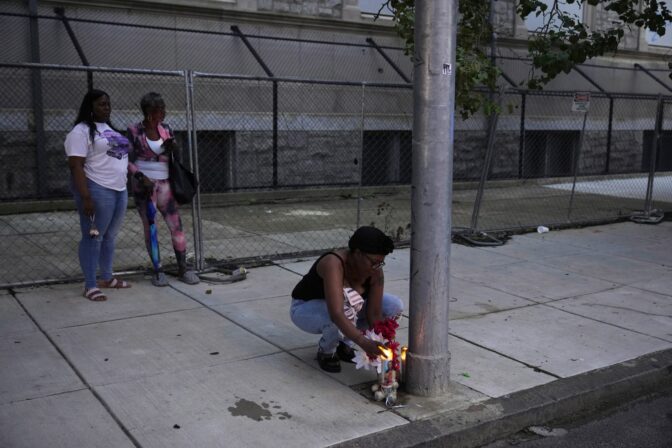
(644, 424)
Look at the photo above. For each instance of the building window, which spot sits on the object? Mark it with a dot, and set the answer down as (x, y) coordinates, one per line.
(216, 161)
(387, 157)
(652, 38)
(371, 7)
(534, 22)
(549, 153)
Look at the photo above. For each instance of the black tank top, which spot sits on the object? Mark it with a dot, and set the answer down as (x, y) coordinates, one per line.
(311, 286)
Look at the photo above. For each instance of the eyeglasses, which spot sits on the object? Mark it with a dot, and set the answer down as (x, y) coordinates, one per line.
(375, 264)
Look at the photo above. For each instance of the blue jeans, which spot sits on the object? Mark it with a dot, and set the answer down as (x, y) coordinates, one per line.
(110, 206)
(312, 316)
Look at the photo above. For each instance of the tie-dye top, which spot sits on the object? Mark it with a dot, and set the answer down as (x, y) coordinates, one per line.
(141, 149)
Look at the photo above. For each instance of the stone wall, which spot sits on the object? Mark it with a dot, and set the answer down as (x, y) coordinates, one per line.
(505, 18)
(304, 158)
(626, 151)
(594, 153)
(469, 155)
(18, 170)
(316, 8)
(603, 20)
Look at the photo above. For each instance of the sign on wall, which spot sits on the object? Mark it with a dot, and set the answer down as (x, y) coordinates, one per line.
(581, 102)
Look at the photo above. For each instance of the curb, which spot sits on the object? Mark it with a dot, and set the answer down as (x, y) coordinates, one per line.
(566, 398)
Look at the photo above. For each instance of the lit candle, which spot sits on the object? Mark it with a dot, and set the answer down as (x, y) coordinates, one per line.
(385, 359)
(402, 364)
(387, 385)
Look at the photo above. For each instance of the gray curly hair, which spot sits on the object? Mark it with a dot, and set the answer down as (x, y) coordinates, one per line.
(150, 101)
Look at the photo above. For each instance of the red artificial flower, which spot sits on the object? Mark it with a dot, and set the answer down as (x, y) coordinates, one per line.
(395, 364)
(387, 328)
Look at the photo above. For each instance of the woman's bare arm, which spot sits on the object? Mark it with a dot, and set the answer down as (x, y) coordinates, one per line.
(330, 269)
(76, 165)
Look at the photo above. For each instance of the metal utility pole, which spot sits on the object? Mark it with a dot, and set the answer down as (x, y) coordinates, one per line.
(37, 102)
(428, 358)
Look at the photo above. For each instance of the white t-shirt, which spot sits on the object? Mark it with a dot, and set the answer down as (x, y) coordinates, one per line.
(106, 160)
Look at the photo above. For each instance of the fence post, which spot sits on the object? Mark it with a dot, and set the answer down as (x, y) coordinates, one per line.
(609, 130)
(38, 109)
(361, 162)
(192, 144)
(275, 134)
(649, 215)
(575, 168)
(655, 145)
(492, 130)
(521, 145)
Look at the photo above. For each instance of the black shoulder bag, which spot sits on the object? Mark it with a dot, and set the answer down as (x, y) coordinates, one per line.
(182, 181)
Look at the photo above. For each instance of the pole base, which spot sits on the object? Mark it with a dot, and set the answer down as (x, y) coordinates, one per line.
(477, 238)
(651, 217)
(428, 376)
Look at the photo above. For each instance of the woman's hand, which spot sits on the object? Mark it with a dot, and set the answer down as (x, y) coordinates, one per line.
(76, 165)
(370, 347)
(171, 148)
(145, 182)
(88, 206)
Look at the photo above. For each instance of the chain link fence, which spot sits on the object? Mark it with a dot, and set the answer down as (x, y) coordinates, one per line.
(290, 167)
(564, 168)
(290, 163)
(39, 228)
(662, 176)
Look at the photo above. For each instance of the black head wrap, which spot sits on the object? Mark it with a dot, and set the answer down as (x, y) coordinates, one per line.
(371, 240)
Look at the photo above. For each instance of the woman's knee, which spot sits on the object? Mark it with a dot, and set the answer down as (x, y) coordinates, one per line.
(310, 317)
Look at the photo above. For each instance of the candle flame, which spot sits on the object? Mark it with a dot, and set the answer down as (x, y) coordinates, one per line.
(387, 353)
(404, 349)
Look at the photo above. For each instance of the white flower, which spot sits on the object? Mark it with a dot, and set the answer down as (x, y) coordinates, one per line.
(362, 360)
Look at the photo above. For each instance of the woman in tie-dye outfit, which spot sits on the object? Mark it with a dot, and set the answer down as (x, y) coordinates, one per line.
(152, 140)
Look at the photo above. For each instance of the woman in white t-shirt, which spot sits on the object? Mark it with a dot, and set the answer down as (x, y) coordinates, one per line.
(98, 160)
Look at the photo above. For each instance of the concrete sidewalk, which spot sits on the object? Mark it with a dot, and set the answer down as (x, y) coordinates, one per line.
(542, 326)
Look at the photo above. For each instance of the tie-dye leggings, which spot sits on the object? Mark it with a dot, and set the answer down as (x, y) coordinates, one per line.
(163, 200)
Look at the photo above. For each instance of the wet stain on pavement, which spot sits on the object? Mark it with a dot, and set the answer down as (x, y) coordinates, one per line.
(255, 411)
(250, 409)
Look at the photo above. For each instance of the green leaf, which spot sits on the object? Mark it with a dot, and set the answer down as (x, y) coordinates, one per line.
(552, 50)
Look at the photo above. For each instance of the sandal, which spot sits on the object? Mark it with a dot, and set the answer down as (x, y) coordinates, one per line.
(95, 295)
(114, 283)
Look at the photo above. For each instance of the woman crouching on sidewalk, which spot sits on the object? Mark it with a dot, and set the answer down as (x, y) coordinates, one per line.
(342, 294)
